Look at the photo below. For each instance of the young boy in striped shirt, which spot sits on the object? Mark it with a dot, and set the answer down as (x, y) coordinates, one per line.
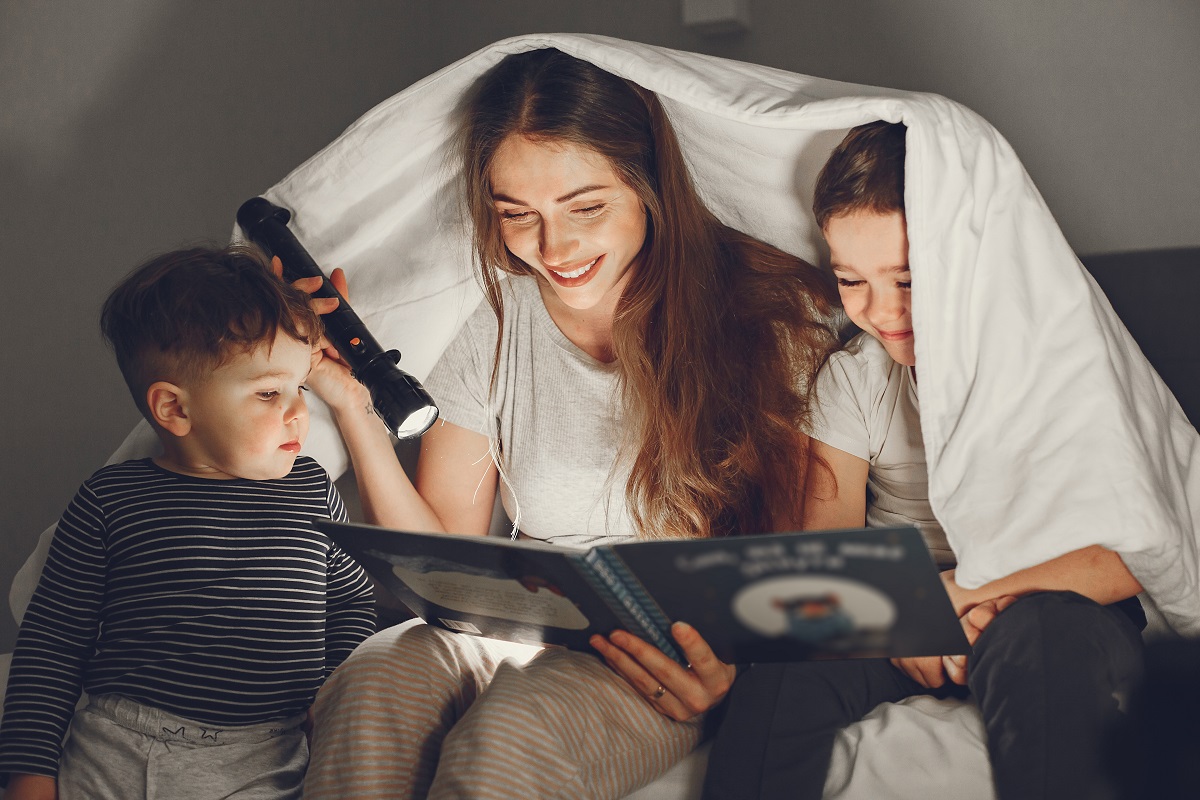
(188, 594)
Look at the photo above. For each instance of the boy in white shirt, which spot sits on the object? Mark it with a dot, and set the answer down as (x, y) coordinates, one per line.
(1052, 645)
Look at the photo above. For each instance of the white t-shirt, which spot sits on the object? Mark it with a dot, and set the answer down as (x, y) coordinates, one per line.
(867, 407)
(554, 419)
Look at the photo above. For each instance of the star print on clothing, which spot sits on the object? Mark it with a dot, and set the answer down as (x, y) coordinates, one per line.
(204, 734)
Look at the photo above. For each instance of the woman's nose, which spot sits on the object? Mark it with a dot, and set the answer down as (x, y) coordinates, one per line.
(558, 244)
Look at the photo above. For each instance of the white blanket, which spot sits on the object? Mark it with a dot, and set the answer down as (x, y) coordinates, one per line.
(1045, 428)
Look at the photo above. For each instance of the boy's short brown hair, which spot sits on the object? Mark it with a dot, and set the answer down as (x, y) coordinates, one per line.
(187, 312)
(865, 172)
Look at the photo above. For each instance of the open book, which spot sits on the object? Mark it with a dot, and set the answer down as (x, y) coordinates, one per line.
(870, 592)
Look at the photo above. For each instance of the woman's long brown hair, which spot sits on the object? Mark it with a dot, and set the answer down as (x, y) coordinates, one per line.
(717, 335)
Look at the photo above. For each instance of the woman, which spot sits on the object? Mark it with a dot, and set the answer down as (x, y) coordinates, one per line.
(642, 371)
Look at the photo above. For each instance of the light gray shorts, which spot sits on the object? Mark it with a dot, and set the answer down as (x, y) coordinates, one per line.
(118, 748)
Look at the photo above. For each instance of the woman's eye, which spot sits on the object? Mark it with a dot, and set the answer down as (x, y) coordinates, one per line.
(271, 395)
(904, 284)
(590, 211)
(516, 216)
(849, 284)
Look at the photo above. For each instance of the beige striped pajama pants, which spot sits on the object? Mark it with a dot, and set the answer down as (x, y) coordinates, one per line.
(416, 711)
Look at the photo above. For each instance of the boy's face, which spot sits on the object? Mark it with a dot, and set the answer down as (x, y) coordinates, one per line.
(869, 255)
(248, 417)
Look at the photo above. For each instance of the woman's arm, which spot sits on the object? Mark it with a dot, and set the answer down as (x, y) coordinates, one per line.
(456, 479)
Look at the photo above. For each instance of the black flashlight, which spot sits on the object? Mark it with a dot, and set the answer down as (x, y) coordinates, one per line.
(399, 399)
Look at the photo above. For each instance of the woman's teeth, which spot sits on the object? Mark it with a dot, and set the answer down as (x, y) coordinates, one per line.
(575, 273)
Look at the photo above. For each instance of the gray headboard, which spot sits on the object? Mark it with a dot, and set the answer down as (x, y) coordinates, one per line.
(1157, 295)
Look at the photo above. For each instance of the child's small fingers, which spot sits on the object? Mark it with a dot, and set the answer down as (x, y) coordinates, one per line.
(1004, 602)
(922, 670)
(970, 629)
(956, 669)
(981, 616)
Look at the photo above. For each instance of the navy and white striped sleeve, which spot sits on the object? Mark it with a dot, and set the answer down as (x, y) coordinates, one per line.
(57, 637)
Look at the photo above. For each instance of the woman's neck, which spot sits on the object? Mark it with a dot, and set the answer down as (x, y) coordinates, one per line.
(589, 329)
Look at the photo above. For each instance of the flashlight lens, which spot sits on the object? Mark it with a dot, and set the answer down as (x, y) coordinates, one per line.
(417, 422)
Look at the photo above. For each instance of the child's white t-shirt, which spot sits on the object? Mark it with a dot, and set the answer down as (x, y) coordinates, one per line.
(867, 407)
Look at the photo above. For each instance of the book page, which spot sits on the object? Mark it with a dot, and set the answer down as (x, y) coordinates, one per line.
(536, 603)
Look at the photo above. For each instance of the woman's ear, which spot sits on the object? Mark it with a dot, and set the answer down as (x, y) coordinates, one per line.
(166, 404)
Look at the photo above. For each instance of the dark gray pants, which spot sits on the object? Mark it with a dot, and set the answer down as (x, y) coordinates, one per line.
(1046, 674)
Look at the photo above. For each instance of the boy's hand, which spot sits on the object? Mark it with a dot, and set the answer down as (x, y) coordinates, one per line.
(31, 787)
(933, 671)
(330, 377)
(926, 670)
(678, 692)
(956, 593)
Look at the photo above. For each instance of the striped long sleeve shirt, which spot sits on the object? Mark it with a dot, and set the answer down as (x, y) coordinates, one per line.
(214, 600)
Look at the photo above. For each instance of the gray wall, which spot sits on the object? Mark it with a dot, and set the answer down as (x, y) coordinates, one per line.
(128, 128)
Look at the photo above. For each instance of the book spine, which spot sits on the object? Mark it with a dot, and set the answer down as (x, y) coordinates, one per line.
(630, 602)
(603, 587)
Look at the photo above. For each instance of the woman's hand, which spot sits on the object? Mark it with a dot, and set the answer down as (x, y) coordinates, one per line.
(330, 377)
(675, 691)
(933, 671)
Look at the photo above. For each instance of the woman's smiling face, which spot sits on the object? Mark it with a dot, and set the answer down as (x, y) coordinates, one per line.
(566, 213)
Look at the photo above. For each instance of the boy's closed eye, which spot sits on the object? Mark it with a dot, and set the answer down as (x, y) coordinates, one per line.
(851, 283)
(271, 394)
